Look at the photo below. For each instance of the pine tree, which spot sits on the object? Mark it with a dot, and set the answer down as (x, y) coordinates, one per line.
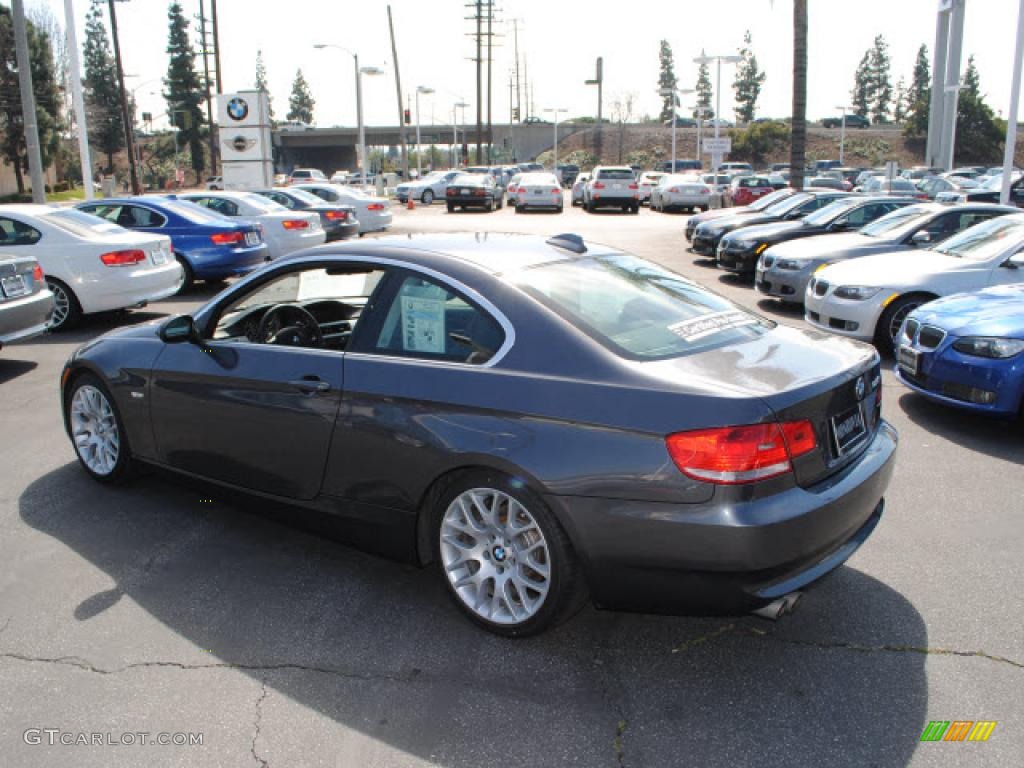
(881, 82)
(301, 103)
(703, 88)
(972, 85)
(667, 79)
(749, 79)
(918, 97)
(899, 104)
(861, 95)
(102, 97)
(44, 85)
(184, 88)
(261, 82)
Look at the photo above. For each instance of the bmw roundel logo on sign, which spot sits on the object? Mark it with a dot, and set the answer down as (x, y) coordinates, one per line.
(238, 108)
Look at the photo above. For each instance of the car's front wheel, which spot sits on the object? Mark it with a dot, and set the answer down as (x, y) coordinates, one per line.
(427, 197)
(97, 431)
(504, 558)
(891, 321)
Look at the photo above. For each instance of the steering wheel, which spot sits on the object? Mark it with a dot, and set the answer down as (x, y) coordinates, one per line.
(289, 325)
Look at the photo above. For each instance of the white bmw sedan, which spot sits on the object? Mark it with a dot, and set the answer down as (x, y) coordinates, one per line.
(373, 213)
(681, 191)
(539, 190)
(284, 231)
(90, 264)
(869, 298)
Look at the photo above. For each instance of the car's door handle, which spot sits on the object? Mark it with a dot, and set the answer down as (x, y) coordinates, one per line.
(310, 385)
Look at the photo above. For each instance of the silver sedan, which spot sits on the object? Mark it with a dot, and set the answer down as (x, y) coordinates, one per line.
(25, 302)
(681, 191)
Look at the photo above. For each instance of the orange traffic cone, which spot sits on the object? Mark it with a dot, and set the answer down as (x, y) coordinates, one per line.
(411, 205)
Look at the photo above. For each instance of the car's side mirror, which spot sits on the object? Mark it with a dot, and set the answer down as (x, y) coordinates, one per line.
(1016, 261)
(920, 238)
(178, 329)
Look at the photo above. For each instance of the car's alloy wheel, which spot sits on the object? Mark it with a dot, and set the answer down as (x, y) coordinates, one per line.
(66, 311)
(495, 556)
(97, 431)
(427, 197)
(892, 320)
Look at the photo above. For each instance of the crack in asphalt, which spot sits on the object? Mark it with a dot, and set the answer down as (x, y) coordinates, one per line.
(256, 723)
(708, 636)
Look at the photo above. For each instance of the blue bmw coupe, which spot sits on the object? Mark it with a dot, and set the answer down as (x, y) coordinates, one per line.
(967, 350)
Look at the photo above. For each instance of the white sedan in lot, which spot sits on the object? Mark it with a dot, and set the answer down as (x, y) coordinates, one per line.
(678, 191)
(90, 264)
(372, 213)
(869, 298)
(284, 231)
(539, 190)
(427, 189)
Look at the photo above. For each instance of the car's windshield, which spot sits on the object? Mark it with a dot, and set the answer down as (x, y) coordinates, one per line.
(769, 200)
(901, 217)
(788, 204)
(306, 197)
(637, 308)
(81, 224)
(825, 215)
(262, 203)
(983, 241)
(995, 183)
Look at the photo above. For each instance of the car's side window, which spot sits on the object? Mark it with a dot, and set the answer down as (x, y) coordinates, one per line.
(108, 212)
(13, 232)
(970, 219)
(135, 216)
(943, 225)
(429, 320)
(222, 206)
(280, 199)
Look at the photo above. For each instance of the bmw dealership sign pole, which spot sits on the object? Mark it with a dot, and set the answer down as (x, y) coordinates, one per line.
(246, 151)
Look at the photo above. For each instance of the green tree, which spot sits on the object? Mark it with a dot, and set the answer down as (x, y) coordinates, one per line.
(899, 102)
(703, 88)
(183, 88)
(979, 135)
(759, 141)
(972, 85)
(881, 82)
(749, 79)
(667, 79)
(44, 84)
(102, 97)
(301, 103)
(261, 82)
(861, 95)
(918, 98)
(798, 145)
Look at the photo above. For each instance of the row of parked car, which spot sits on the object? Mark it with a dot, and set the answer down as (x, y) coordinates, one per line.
(58, 263)
(940, 285)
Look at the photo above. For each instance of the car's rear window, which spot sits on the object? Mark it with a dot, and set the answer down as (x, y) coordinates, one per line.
(615, 173)
(638, 309)
(81, 224)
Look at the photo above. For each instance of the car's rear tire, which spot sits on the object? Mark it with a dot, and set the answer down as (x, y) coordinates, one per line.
(635, 209)
(67, 312)
(519, 209)
(188, 276)
(893, 317)
(503, 557)
(427, 197)
(97, 432)
(451, 208)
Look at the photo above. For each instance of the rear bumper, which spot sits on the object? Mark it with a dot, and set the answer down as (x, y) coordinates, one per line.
(25, 317)
(122, 291)
(341, 231)
(722, 557)
(214, 264)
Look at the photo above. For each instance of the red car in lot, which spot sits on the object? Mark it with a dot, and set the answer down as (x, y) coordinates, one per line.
(743, 190)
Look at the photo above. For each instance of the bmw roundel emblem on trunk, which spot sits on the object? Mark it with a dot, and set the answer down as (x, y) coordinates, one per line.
(238, 108)
(860, 388)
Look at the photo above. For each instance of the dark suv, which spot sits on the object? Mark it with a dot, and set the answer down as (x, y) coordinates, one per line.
(567, 173)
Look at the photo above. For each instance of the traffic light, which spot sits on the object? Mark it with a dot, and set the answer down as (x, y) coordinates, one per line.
(408, 116)
(515, 114)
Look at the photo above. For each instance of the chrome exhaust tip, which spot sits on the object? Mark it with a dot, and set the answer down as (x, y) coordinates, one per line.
(779, 607)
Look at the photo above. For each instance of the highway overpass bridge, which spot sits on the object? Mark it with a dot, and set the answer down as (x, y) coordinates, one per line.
(332, 149)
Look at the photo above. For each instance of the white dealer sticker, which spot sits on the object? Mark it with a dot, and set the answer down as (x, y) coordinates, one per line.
(423, 325)
(706, 325)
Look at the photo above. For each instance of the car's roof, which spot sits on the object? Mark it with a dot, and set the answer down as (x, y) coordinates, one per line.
(28, 209)
(494, 253)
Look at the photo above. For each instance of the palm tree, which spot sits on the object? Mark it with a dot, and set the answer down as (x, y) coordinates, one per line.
(798, 147)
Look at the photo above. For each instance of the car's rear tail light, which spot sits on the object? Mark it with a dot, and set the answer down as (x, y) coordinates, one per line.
(37, 274)
(521, 191)
(336, 215)
(633, 186)
(556, 191)
(746, 454)
(598, 185)
(123, 258)
(705, 191)
(479, 192)
(295, 224)
(227, 238)
(451, 192)
(675, 190)
(375, 207)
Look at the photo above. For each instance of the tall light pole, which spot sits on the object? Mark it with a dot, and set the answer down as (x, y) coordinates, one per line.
(78, 99)
(424, 90)
(704, 59)
(700, 112)
(359, 71)
(675, 93)
(842, 131)
(955, 90)
(458, 149)
(554, 148)
(1011, 121)
(28, 104)
(129, 138)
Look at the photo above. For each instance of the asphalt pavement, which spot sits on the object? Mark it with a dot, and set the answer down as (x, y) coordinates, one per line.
(162, 607)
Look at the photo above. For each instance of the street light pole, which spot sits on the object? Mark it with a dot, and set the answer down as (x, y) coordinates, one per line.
(842, 133)
(718, 93)
(554, 148)
(129, 139)
(1011, 121)
(78, 99)
(955, 90)
(425, 90)
(674, 93)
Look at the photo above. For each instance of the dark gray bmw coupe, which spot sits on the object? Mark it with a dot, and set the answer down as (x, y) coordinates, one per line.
(542, 420)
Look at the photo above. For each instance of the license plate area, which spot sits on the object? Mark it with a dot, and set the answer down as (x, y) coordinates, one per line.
(909, 360)
(848, 428)
(13, 286)
(464, 191)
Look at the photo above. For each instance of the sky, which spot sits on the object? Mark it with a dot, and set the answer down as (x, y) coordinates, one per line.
(559, 42)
